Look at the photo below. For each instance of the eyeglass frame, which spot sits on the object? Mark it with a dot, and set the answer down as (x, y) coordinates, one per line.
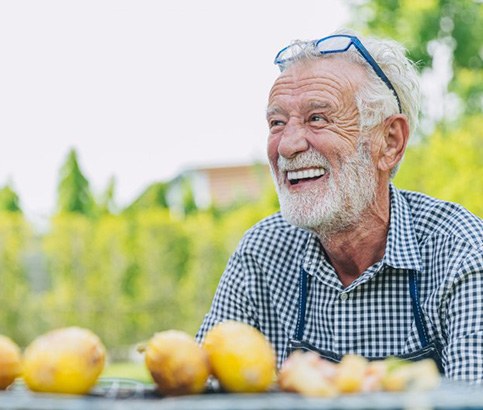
(359, 47)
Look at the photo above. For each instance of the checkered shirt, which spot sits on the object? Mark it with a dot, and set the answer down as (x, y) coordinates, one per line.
(373, 317)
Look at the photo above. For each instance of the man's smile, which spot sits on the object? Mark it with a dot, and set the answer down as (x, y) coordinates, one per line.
(303, 175)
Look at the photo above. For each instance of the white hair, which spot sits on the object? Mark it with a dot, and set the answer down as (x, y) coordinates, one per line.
(375, 101)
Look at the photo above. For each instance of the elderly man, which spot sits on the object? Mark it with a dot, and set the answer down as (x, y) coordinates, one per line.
(352, 264)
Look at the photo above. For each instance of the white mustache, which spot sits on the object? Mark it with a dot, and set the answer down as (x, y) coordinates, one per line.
(308, 159)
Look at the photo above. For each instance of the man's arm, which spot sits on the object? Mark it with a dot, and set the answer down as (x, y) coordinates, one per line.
(464, 322)
(231, 301)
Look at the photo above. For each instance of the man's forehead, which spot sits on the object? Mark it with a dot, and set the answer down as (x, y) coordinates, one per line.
(331, 73)
(334, 65)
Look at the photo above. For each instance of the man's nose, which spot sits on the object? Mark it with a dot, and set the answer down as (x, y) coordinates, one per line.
(293, 140)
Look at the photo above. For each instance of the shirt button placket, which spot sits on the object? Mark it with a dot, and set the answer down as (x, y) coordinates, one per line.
(342, 316)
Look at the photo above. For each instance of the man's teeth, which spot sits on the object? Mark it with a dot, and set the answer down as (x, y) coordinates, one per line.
(306, 173)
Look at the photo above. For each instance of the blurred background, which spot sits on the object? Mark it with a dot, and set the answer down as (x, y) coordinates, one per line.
(133, 155)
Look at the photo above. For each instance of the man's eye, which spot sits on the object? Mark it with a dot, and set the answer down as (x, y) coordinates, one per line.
(276, 123)
(317, 118)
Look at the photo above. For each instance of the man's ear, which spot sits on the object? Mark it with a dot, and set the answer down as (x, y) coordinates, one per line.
(396, 135)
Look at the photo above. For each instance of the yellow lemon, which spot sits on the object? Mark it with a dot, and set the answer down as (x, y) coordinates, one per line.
(241, 358)
(10, 361)
(67, 360)
(177, 363)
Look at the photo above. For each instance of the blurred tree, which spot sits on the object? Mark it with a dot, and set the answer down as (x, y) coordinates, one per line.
(73, 191)
(208, 255)
(15, 300)
(153, 197)
(68, 250)
(426, 26)
(107, 203)
(448, 165)
(188, 197)
(160, 253)
(9, 200)
(105, 281)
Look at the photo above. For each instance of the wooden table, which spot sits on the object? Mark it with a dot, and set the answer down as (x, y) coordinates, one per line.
(134, 395)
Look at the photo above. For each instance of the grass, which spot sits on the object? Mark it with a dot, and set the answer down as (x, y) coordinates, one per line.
(130, 370)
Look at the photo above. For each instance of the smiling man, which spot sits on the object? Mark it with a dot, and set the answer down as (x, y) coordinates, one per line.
(351, 264)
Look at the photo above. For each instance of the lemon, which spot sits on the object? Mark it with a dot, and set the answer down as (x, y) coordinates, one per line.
(177, 363)
(67, 360)
(10, 361)
(241, 358)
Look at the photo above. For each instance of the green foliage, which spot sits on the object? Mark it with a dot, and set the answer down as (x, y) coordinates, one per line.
(124, 276)
(188, 197)
(9, 200)
(416, 23)
(456, 23)
(448, 165)
(153, 197)
(160, 255)
(107, 203)
(16, 307)
(208, 254)
(74, 195)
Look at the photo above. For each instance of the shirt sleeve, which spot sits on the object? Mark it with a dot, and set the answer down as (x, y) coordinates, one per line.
(464, 322)
(231, 300)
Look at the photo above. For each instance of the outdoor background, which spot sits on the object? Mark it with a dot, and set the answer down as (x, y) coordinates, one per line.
(108, 109)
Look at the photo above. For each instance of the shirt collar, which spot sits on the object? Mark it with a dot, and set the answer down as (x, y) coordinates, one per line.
(402, 249)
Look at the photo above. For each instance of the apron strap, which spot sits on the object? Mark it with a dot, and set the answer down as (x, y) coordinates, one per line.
(299, 330)
(417, 311)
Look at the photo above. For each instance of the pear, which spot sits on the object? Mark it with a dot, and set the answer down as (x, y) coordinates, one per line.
(178, 365)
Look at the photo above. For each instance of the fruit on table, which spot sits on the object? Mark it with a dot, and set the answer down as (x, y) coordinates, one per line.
(401, 375)
(10, 362)
(178, 365)
(308, 374)
(241, 358)
(351, 373)
(67, 360)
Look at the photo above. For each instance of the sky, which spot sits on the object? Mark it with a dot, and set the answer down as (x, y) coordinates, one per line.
(141, 89)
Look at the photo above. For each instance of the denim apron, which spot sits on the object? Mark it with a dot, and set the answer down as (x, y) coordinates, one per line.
(428, 350)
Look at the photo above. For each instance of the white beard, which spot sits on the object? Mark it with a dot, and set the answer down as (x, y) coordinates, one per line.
(336, 206)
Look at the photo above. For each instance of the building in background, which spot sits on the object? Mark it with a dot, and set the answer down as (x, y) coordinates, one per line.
(219, 186)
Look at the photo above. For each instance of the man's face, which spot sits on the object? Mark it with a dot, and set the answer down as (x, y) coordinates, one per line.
(323, 169)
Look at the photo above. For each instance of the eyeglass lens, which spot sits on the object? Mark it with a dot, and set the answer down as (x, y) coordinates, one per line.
(333, 45)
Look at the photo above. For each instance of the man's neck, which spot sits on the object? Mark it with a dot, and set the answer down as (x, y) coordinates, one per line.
(352, 251)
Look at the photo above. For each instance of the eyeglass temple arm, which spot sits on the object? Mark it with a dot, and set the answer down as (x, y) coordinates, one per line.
(376, 68)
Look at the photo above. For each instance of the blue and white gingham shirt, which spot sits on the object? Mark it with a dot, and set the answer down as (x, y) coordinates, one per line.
(373, 316)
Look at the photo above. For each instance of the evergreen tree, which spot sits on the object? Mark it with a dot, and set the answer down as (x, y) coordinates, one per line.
(153, 197)
(74, 194)
(9, 200)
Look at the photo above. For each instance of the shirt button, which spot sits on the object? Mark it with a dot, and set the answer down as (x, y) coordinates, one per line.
(344, 296)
